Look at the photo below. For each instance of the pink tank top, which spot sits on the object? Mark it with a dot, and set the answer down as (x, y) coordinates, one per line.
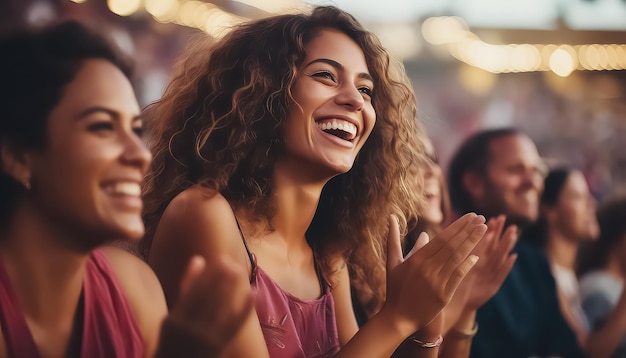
(109, 326)
(293, 327)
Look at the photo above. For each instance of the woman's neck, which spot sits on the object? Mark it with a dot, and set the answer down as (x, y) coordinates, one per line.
(296, 202)
(46, 276)
(561, 250)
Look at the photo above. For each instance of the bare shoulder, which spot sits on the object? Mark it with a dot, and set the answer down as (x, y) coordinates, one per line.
(198, 221)
(143, 291)
(133, 273)
(197, 203)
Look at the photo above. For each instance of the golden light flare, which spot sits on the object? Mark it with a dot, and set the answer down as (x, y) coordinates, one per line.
(124, 7)
(562, 59)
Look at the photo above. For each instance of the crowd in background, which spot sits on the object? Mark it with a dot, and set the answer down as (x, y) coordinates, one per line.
(506, 236)
(576, 120)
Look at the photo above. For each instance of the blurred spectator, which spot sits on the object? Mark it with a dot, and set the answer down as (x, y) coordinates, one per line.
(500, 172)
(567, 218)
(603, 269)
(459, 316)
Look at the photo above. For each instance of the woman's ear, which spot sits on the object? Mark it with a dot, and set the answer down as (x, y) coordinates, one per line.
(15, 163)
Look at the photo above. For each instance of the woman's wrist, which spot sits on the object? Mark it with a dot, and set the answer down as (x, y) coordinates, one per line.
(465, 327)
(396, 323)
(431, 336)
(431, 343)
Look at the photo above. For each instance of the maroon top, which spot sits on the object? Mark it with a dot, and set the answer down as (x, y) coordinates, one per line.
(109, 326)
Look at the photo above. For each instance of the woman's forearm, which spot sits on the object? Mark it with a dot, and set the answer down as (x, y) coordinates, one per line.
(458, 341)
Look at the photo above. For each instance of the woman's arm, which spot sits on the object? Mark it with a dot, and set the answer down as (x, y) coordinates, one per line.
(186, 331)
(373, 335)
(604, 341)
(224, 296)
(485, 279)
(418, 287)
(481, 284)
(458, 340)
(200, 222)
(424, 343)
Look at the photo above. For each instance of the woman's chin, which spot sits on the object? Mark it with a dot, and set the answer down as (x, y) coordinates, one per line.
(433, 217)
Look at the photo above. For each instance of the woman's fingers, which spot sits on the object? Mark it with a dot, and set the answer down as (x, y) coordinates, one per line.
(394, 248)
(421, 241)
(205, 293)
(486, 243)
(194, 269)
(458, 255)
(449, 233)
(459, 273)
(214, 303)
(503, 271)
(504, 246)
(498, 226)
(451, 247)
(511, 235)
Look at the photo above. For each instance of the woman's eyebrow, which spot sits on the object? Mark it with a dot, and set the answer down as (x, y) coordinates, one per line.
(339, 66)
(98, 109)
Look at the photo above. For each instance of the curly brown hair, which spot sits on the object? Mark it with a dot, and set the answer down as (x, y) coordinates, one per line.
(219, 123)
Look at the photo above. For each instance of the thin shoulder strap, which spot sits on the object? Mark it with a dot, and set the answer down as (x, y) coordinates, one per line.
(245, 244)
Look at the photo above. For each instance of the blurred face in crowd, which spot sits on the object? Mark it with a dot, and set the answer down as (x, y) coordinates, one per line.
(433, 211)
(574, 215)
(513, 181)
(433, 181)
(88, 176)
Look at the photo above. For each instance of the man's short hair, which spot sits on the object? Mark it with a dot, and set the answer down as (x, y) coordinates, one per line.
(472, 156)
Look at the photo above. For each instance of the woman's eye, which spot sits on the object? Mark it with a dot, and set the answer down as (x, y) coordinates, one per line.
(100, 126)
(138, 131)
(324, 74)
(366, 90)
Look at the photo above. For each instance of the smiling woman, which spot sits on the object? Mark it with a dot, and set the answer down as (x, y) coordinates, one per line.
(93, 130)
(72, 161)
(286, 146)
(331, 94)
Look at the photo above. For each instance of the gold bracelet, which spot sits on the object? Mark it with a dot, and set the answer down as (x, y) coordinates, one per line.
(460, 334)
(434, 344)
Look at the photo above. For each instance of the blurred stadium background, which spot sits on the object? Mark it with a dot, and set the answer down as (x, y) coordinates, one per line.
(554, 68)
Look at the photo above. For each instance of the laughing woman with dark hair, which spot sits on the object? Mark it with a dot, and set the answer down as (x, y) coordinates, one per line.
(285, 146)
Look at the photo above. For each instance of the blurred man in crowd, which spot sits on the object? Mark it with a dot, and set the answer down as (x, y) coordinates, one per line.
(498, 172)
